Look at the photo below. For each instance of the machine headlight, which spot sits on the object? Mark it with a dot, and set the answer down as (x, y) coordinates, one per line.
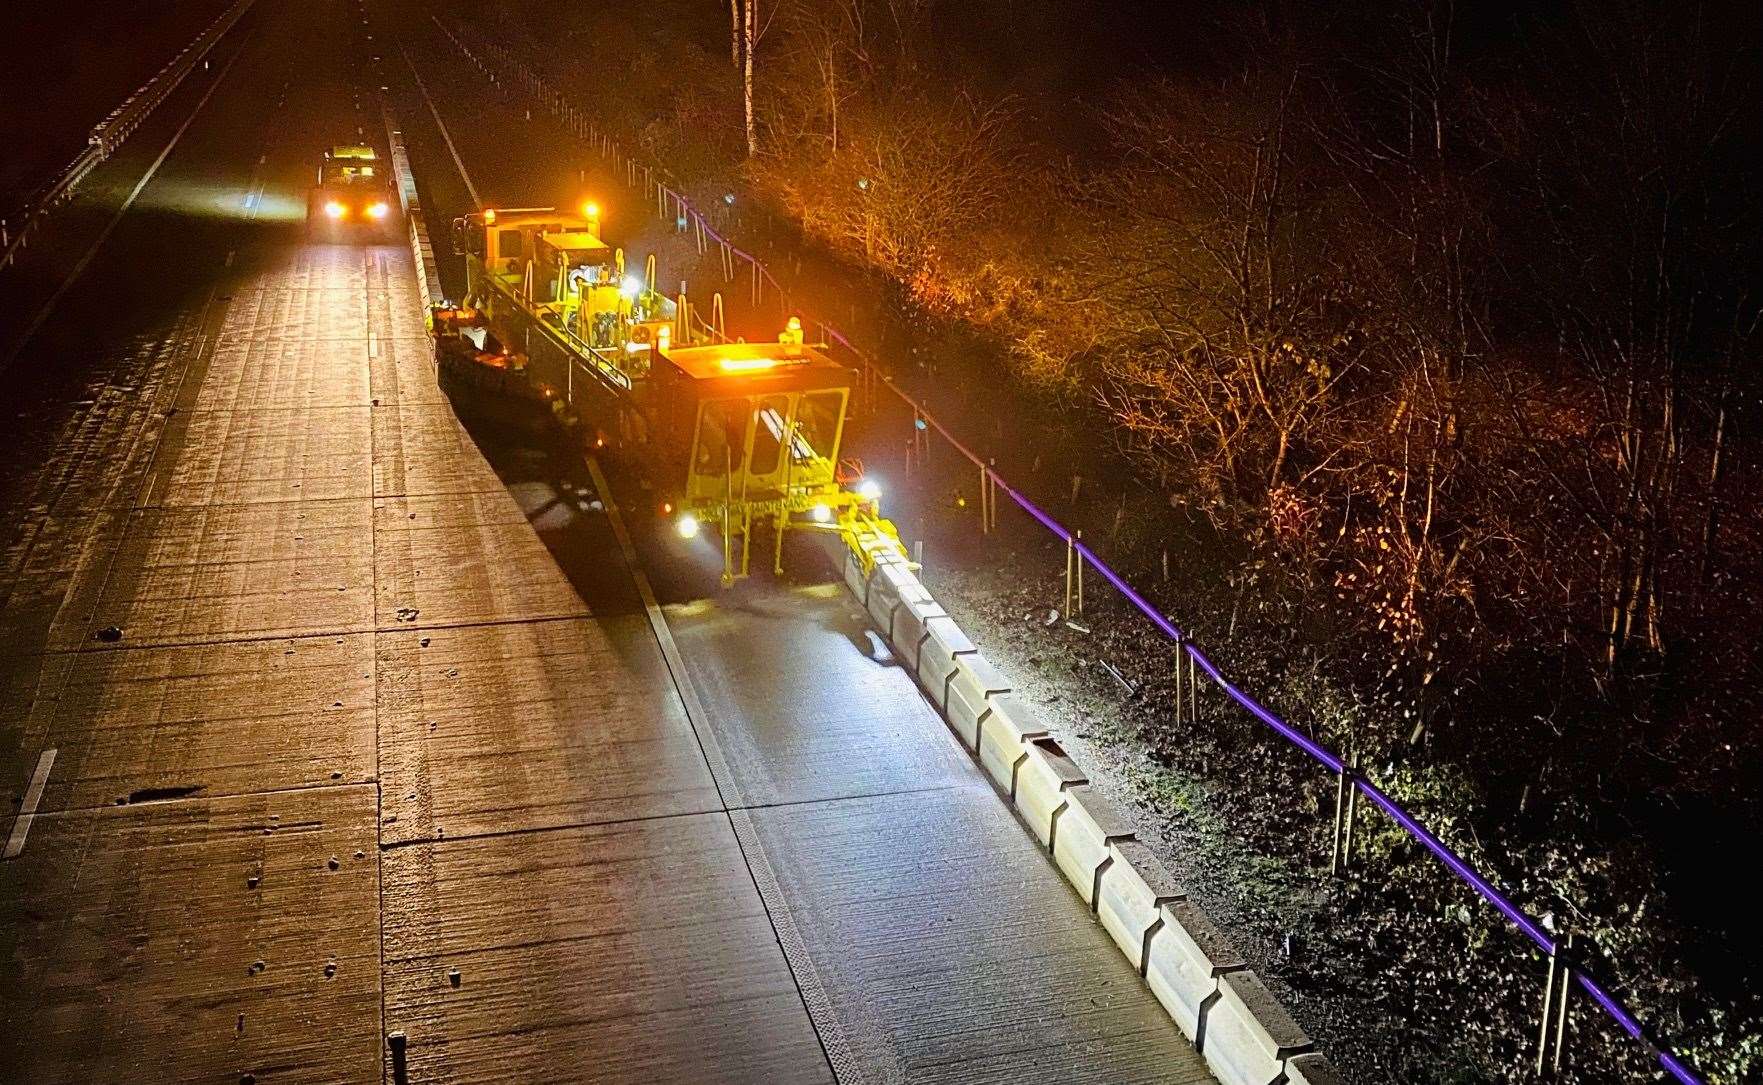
(869, 490)
(377, 210)
(820, 513)
(687, 526)
(334, 209)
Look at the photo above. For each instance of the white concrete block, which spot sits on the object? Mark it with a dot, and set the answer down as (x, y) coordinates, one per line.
(973, 681)
(884, 596)
(910, 632)
(1004, 734)
(1188, 955)
(1134, 889)
(1083, 836)
(856, 579)
(1041, 782)
(939, 656)
(1249, 1035)
(1312, 1069)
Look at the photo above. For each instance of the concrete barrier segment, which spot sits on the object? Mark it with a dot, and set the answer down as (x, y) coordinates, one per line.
(1312, 1068)
(1134, 888)
(910, 620)
(1004, 736)
(974, 680)
(1082, 848)
(856, 579)
(1041, 783)
(1188, 955)
(884, 596)
(1248, 1036)
(939, 658)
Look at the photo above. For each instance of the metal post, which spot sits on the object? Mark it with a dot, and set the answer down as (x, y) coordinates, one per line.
(992, 491)
(1340, 858)
(1080, 574)
(1069, 554)
(1552, 1038)
(985, 518)
(1193, 689)
(1179, 664)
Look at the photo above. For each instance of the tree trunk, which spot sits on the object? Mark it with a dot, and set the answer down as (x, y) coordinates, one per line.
(749, 32)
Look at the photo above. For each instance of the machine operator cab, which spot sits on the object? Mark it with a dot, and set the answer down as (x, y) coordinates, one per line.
(750, 430)
(553, 264)
(352, 197)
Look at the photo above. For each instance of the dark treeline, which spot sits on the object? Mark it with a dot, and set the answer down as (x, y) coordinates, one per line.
(1443, 320)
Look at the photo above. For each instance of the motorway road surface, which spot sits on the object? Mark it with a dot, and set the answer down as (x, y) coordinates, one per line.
(319, 728)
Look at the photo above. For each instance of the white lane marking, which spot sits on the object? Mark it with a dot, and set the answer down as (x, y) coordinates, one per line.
(827, 1027)
(373, 345)
(79, 268)
(21, 826)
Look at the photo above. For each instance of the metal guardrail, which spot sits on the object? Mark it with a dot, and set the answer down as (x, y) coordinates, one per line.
(110, 133)
(1564, 967)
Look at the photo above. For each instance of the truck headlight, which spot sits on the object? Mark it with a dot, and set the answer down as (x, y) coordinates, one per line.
(334, 209)
(377, 210)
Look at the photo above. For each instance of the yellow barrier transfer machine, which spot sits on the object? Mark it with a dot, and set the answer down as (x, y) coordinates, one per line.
(730, 435)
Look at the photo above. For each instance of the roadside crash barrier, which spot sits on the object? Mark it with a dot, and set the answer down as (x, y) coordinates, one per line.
(422, 250)
(111, 132)
(1202, 982)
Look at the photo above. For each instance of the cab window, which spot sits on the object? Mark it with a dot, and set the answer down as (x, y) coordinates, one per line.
(721, 440)
(770, 421)
(817, 425)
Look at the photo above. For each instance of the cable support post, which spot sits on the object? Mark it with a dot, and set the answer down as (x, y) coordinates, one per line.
(1552, 1036)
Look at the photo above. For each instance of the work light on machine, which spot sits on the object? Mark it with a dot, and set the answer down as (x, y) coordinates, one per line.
(820, 513)
(687, 526)
(631, 287)
(869, 490)
(334, 209)
(377, 210)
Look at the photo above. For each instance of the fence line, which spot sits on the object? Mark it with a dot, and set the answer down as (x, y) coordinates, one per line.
(578, 123)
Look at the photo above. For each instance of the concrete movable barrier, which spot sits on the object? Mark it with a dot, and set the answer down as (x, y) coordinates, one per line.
(1312, 1069)
(856, 579)
(1083, 840)
(1188, 956)
(884, 596)
(1248, 1035)
(1135, 887)
(892, 587)
(939, 658)
(911, 621)
(1044, 777)
(975, 681)
(1004, 735)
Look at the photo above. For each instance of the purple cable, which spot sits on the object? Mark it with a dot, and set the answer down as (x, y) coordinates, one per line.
(1414, 828)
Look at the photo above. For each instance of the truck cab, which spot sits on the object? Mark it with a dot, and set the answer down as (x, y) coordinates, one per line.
(352, 198)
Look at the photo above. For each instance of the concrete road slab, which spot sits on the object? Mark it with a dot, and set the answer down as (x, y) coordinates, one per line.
(402, 371)
(632, 952)
(951, 955)
(510, 728)
(420, 448)
(206, 720)
(254, 370)
(195, 941)
(461, 558)
(802, 709)
(225, 571)
(240, 457)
